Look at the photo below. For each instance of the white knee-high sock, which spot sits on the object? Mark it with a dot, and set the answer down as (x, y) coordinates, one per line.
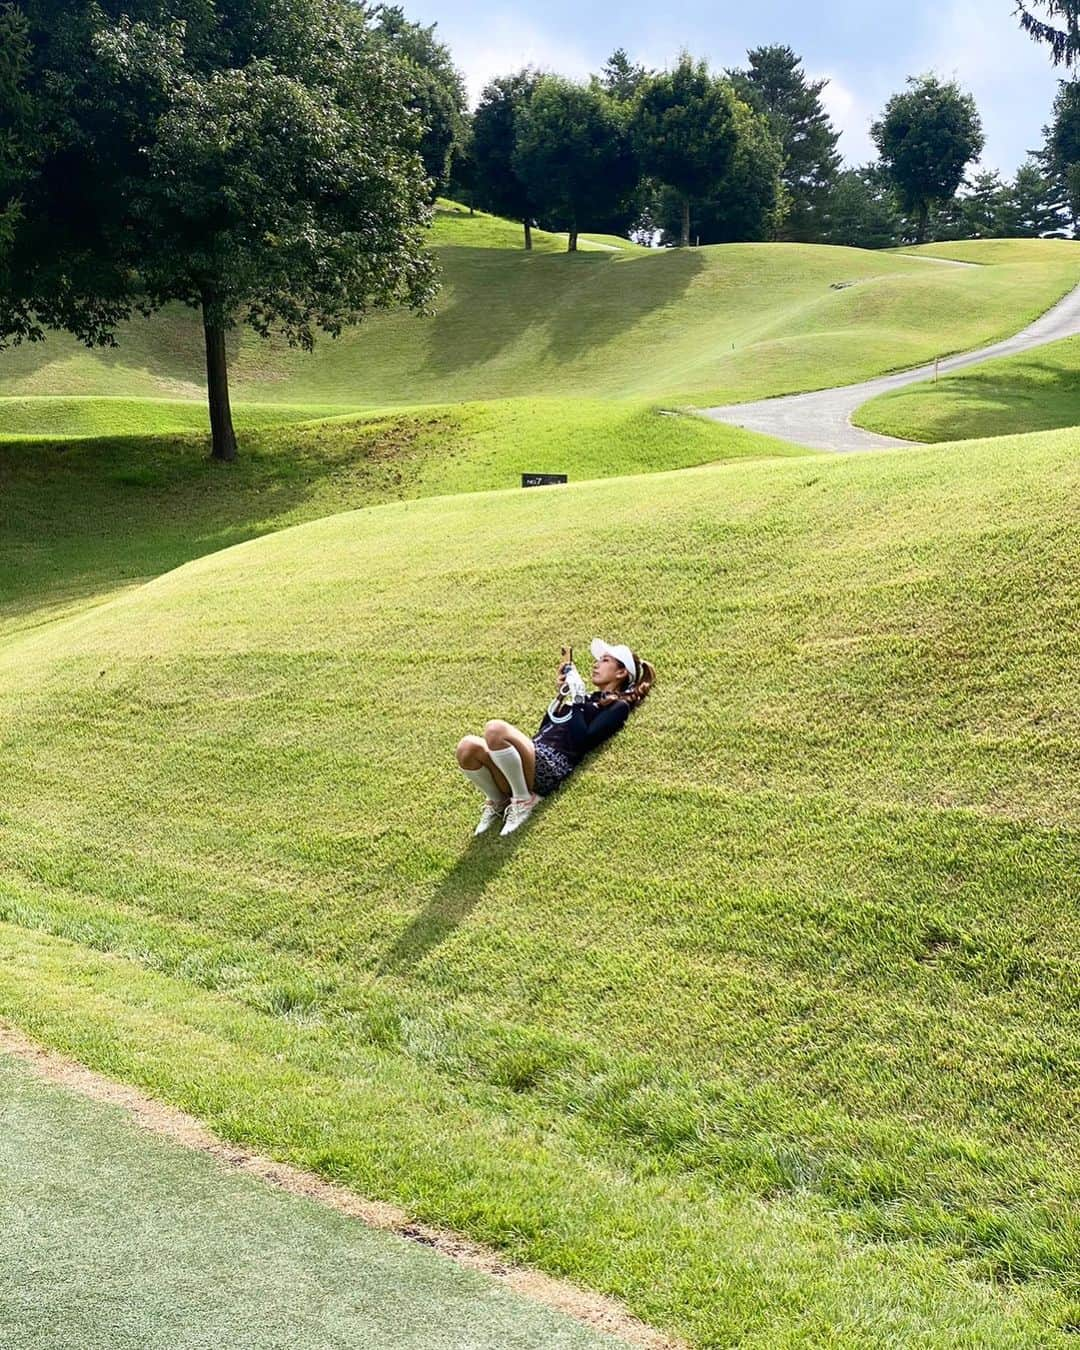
(485, 781)
(509, 764)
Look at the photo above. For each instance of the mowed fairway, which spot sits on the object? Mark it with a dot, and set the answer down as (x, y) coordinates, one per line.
(703, 326)
(766, 1025)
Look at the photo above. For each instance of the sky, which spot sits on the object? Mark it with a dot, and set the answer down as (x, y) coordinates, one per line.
(866, 51)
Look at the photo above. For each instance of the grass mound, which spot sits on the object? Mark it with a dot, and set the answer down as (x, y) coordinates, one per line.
(1035, 391)
(782, 982)
(710, 325)
(84, 519)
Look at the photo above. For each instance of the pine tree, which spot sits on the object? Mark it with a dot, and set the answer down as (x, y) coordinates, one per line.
(621, 78)
(1060, 29)
(1036, 210)
(1060, 156)
(776, 85)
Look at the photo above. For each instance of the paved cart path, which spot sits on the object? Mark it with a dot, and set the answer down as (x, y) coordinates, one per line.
(115, 1237)
(823, 419)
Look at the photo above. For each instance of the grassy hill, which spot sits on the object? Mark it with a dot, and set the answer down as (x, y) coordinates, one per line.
(1034, 391)
(766, 1024)
(707, 325)
(82, 520)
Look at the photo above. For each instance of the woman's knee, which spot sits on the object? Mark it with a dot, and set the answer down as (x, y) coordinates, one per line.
(469, 752)
(497, 734)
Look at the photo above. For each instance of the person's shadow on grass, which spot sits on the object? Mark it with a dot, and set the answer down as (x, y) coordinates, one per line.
(455, 897)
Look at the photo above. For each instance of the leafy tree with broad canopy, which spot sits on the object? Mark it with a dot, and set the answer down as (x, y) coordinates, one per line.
(16, 121)
(573, 155)
(438, 90)
(254, 159)
(776, 85)
(927, 136)
(496, 184)
(1055, 22)
(747, 203)
(684, 131)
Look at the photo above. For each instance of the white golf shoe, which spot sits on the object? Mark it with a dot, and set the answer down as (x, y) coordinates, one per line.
(492, 812)
(519, 811)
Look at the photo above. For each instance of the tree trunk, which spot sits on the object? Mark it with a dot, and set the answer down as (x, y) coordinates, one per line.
(571, 244)
(528, 234)
(217, 388)
(686, 222)
(924, 216)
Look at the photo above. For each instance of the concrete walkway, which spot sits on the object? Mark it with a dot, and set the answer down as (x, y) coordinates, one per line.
(823, 419)
(113, 1237)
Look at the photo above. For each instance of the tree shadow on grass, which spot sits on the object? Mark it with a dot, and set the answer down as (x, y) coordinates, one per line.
(1040, 396)
(455, 897)
(567, 305)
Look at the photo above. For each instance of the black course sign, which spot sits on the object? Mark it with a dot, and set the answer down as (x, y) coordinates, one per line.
(541, 479)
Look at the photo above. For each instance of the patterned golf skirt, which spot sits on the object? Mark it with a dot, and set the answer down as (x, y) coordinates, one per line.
(552, 769)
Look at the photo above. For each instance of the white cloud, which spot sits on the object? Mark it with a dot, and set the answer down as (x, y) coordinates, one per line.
(851, 115)
(506, 43)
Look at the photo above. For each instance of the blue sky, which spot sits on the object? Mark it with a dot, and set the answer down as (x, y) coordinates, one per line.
(865, 50)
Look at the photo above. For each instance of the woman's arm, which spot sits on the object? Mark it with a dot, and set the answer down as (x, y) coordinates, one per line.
(585, 736)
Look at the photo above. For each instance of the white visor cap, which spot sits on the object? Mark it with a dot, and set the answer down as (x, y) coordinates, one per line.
(623, 655)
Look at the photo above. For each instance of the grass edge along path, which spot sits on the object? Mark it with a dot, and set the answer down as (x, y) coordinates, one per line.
(181, 1128)
(229, 1064)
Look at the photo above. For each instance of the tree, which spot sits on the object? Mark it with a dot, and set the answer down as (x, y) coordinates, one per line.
(926, 137)
(1060, 158)
(776, 85)
(744, 205)
(684, 132)
(573, 154)
(1035, 211)
(256, 161)
(861, 211)
(495, 132)
(621, 78)
(16, 134)
(984, 208)
(438, 89)
(1063, 40)
(463, 176)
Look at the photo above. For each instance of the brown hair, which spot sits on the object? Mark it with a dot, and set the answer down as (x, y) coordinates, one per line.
(632, 693)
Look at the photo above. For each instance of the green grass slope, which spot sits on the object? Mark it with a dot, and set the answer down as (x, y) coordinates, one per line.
(1034, 391)
(766, 1024)
(49, 419)
(81, 520)
(705, 325)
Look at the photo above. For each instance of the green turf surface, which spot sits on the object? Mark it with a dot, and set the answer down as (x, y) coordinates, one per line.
(709, 325)
(82, 520)
(48, 419)
(455, 227)
(782, 983)
(1034, 391)
(112, 1237)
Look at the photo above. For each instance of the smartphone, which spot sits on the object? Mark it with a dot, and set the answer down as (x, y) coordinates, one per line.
(568, 657)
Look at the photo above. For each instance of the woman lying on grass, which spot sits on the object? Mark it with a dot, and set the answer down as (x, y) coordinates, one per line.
(514, 772)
